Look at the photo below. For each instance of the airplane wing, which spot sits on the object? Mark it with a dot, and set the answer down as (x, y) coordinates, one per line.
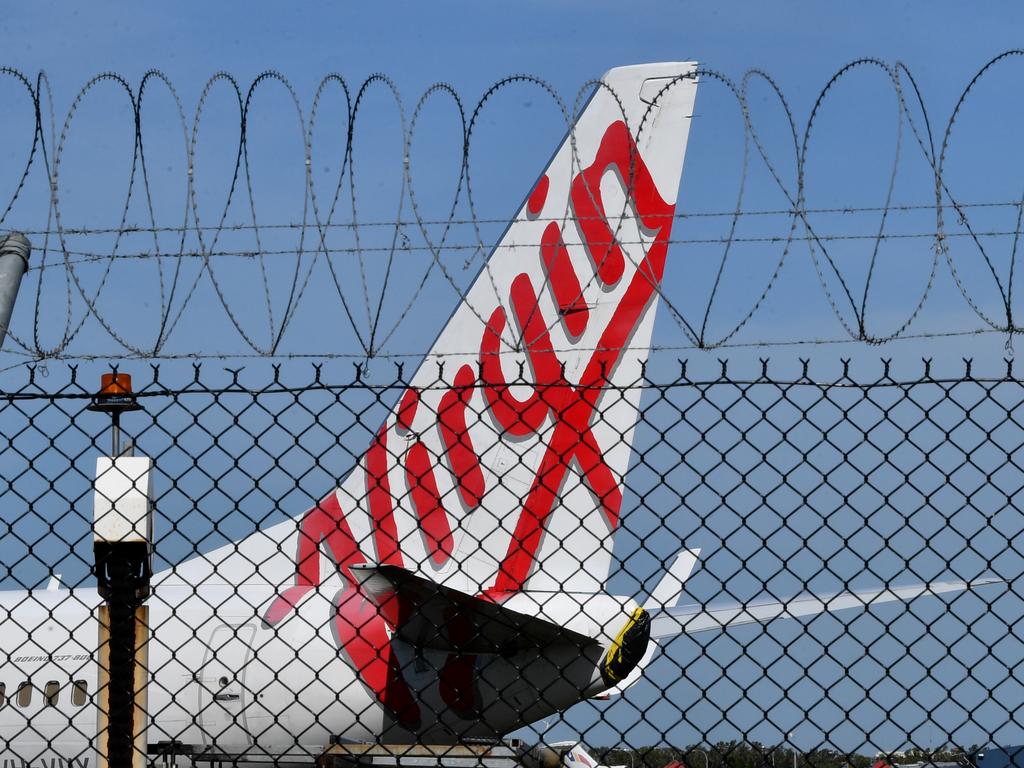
(691, 619)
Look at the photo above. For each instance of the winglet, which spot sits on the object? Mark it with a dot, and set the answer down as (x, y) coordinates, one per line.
(670, 589)
(666, 594)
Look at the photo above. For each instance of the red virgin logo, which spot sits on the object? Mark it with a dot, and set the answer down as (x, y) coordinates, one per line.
(360, 630)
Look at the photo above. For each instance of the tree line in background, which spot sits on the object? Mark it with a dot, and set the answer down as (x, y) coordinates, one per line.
(743, 754)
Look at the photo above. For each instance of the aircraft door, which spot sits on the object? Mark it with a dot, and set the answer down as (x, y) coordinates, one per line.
(223, 696)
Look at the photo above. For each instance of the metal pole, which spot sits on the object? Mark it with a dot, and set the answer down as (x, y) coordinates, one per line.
(122, 542)
(115, 434)
(14, 252)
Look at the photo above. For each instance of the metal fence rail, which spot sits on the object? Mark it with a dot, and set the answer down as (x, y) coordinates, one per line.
(287, 620)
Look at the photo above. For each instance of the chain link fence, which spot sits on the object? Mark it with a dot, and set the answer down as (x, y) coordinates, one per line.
(843, 563)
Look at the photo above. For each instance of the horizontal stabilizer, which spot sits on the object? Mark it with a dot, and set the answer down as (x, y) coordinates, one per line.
(430, 615)
(690, 619)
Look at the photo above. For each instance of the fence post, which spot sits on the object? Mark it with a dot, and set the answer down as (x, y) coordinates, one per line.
(14, 252)
(122, 545)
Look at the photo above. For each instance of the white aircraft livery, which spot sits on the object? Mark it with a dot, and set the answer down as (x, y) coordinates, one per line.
(575, 756)
(453, 585)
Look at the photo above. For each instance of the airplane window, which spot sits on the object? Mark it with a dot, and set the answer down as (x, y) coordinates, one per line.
(79, 692)
(50, 693)
(24, 694)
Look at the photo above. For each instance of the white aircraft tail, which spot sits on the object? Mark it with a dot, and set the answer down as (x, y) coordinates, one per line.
(514, 455)
(575, 756)
(501, 466)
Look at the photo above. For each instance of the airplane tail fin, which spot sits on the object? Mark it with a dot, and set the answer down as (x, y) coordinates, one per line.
(577, 757)
(562, 754)
(510, 446)
(500, 468)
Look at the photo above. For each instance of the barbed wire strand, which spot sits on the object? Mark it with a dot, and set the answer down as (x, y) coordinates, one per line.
(282, 298)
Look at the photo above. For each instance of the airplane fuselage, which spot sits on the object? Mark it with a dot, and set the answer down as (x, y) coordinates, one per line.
(221, 678)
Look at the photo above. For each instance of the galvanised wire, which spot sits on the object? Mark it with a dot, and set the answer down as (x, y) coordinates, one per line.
(412, 232)
(791, 481)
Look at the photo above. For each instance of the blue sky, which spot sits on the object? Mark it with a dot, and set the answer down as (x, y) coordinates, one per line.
(566, 44)
(472, 45)
(800, 44)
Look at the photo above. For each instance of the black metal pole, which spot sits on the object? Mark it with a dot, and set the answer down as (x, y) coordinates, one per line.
(122, 566)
